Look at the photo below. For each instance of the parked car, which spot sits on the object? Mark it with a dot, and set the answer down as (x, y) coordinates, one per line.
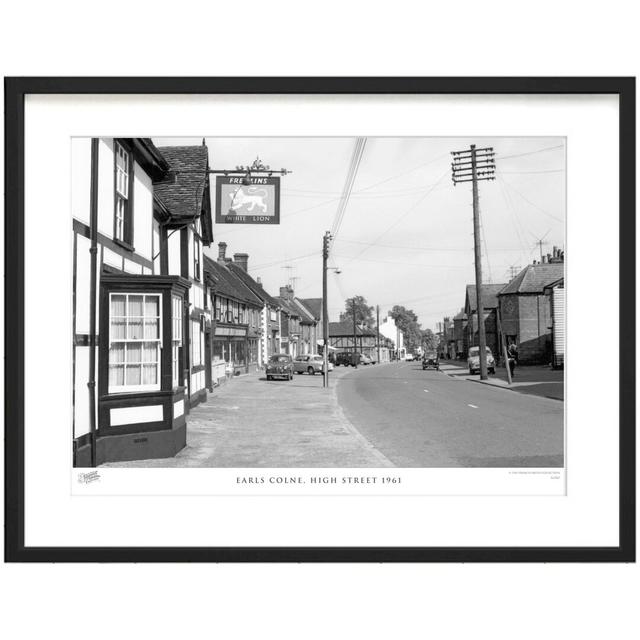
(280, 365)
(430, 359)
(310, 363)
(365, 359)
(474, 361)
(347, 358)
(409, 357)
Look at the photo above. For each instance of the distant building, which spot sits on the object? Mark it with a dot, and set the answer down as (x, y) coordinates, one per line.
(391, 331)
(290, 327)
(490, 303)
(236, 321)
(269, 332)
(525, 309)
(459, 332)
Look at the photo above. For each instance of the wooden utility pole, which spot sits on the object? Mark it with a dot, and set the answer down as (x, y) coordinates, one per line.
(378, 331)
(355, 343)
(325, 311)
(472, 166)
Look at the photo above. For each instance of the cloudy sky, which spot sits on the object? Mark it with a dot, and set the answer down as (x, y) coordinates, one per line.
(407, 233)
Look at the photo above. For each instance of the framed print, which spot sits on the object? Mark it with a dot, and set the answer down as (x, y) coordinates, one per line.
(320, 319)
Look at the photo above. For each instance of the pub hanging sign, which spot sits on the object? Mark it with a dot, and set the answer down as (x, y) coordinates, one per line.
(247, 200)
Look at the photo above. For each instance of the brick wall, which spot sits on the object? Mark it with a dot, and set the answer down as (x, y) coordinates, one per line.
(534, 333)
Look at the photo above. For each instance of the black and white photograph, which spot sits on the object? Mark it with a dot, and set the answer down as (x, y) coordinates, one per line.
(318, 302)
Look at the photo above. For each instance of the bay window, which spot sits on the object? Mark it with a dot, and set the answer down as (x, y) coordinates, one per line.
(176, 338)
(134, 341)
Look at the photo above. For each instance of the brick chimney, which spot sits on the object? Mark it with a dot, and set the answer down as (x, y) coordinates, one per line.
(259, 281)
(222, 250)
(286, 292)
(242, 260)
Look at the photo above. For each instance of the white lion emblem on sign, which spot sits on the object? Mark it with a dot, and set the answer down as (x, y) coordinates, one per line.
(254, 198)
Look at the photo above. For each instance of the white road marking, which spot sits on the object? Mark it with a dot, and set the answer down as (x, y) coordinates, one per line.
(473, 406)
(426, 390)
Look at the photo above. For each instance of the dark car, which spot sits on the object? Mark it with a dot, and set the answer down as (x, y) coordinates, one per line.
(430, 360)
(280, 365)
(347, 358)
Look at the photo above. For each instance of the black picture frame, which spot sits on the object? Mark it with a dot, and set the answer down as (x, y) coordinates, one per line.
(15, 91)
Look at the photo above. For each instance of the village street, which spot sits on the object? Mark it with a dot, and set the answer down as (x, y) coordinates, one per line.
(376, 416)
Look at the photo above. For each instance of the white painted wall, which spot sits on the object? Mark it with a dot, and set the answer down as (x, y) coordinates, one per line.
(174, 252)
(190, 252)
(136, 415)
(83, 284)
(81, 179)
(142, 212)
(198, 295)
(156, 247)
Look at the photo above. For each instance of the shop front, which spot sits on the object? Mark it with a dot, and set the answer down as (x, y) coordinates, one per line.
(230, 345)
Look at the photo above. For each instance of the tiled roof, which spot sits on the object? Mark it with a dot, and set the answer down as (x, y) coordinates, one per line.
(288, 306)
(249, 282)
(226, 283)
(489, 296)
(346, 329)
(305, 315)
(314, 305)
(182, 190)
(535, 277)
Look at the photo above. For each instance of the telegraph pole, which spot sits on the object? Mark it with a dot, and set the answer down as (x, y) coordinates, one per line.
(378, 331)
(325, 311)
(472, 166)
(355, 344)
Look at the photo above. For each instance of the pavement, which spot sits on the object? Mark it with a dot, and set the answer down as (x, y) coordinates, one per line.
(252, 422)
(537, 380)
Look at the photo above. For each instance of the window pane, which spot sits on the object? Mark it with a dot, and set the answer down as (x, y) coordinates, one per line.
(135, 329)
(117, 305)
(134, 353)
(135, 306)
(116, 353)
(116, 375)
(150, 352)
(149, 374)
(151, 306)
(152, 328)
(133, 375)
(118, 327)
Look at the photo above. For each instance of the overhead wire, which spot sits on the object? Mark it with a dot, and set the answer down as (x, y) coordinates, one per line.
(401, 218)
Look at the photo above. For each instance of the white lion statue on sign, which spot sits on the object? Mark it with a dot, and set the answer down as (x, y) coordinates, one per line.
(254, 198)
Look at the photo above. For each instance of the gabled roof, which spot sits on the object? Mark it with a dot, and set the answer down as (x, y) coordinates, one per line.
(288, 306)
(226, 283)
(345, 328)
(535, 277)
(314, 305)
(249, 282)
(489, 296)
(306, 316)
(184, 190)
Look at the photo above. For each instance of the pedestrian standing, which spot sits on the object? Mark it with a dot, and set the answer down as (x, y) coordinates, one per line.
(512, 357)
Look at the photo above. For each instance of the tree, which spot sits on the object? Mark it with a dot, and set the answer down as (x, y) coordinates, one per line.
(364, 313)
(407, 321)
(429, 340)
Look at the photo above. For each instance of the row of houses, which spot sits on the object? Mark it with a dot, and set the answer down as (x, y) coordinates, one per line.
(528, 311)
